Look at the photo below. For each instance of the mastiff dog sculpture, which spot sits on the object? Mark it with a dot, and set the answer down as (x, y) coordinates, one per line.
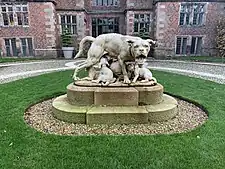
(120, 47)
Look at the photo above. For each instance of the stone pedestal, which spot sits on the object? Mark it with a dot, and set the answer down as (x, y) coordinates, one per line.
(114, 105)
(116, 96)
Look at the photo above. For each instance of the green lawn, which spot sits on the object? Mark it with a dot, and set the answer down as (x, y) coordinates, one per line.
(6, 60)
(22, 147)
(200, 59)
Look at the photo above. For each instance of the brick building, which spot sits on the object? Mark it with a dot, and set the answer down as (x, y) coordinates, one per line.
(33, 27)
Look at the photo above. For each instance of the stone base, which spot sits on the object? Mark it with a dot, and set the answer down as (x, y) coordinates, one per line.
(114, 96)
(165, 110)
(87, 83)
(117, 115)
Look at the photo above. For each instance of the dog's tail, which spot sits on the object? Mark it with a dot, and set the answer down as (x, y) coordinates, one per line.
(84, 46)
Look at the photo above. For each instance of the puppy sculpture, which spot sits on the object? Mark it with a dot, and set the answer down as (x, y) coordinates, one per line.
(140, 71)
(105, 75)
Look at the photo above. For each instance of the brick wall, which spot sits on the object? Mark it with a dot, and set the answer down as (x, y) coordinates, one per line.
(41, 28)
(69, 4)
(139, 4)
(167, 27)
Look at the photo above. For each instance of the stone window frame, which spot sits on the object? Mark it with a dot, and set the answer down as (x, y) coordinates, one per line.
(71, 24)
(191, 13)
(18, 46)
(15, 14)
(189, 44)
(105, 2)
(142, 21)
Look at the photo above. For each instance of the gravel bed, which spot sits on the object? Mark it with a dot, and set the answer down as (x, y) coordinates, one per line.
(40, 117)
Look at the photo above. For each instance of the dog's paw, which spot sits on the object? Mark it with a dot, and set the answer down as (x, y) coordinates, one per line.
(126, 81)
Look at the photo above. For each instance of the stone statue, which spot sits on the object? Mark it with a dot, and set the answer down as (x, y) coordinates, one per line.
(105, 75)
(141, 71)
(117, 47)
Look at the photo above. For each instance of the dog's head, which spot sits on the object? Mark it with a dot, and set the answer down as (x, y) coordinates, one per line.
(140, 48)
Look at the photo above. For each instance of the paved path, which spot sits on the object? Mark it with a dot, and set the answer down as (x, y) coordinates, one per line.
(14, 71)
(208, 71)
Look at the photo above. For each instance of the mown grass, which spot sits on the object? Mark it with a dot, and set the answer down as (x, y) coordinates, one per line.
(201, 59)
(6, 60)
(25, 148)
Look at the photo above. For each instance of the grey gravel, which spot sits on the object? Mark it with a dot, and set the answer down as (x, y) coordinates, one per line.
(216, 69)
(40, 117)
(31, 66)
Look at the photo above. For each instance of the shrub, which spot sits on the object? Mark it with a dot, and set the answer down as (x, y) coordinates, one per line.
(66, 38)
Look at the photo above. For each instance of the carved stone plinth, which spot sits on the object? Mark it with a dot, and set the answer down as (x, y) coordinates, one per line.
(116, 96)
(114, 105)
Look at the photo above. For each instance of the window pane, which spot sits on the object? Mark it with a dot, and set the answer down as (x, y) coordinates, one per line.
(142, 25)
(7, 42)
(19, 18)
(199, 46)
(69, 27)
(24, 9)
(110, 2)
(116, 29)
(99, 2)
(73, 19)
(136, 27)
(178, 46)
(200, 18)
(116, 21)
(3, 9)
(93, 21)
(187, 19)
(30, 46)
(5, 19)
(23, 41)
(10, 9)
(184, 46)
(18, 8)
(182, 8)
(193, 40)
(63, 19)
(147, 27)
(105, 2)
(195, 19)
(8, 53)
(74, 29)
(14, 49)
(11, 19)
(136, 18)
(25, 19)
(68, 19)
(182, 18)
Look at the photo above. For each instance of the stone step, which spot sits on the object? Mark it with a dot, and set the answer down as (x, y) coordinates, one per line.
(80, 96)
(117, 115)
(150, 95)
(63, 110)
(114, 96)
(163, 111)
